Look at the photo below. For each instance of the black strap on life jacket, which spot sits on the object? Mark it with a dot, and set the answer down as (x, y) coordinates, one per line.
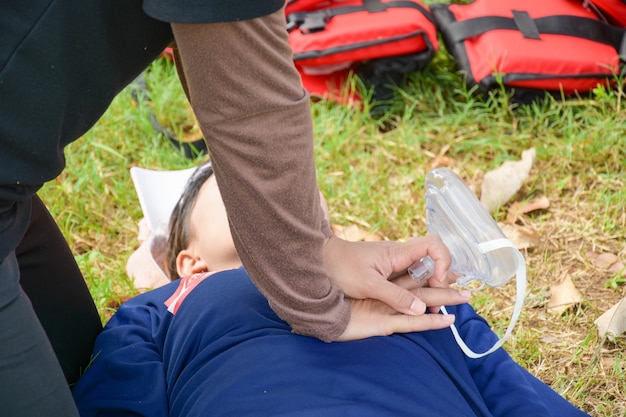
(574, 26)
(315, 21)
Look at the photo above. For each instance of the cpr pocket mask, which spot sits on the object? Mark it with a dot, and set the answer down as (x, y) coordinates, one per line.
(481, 254)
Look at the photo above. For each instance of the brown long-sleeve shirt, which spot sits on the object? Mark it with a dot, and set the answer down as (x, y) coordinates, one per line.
(256, 118)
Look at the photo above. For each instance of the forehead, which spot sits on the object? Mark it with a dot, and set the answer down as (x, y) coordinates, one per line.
(208, 201)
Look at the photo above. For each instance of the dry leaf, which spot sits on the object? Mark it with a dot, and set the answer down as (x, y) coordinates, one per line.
(549, 339)
(354, 233)
(114, 304)
(617, 268)
(440, 161)
(601, 260)
(519, 208)
(503, 182)
(521, 236)
(612, 323)
(563, 295)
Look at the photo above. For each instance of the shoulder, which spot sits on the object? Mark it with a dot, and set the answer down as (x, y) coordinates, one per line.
(220, 301)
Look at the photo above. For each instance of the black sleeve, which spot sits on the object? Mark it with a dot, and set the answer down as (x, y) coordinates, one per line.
(209, 11)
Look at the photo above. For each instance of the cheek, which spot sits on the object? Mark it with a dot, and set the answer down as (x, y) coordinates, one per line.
(227, 246)
(219, 249)
(223, 234)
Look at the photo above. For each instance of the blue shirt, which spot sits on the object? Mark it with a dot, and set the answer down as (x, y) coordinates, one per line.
(221, 351)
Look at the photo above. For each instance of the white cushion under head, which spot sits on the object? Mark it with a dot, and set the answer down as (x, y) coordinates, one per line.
(158, 192)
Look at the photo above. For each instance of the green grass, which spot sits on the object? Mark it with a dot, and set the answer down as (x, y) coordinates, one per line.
(372, 173)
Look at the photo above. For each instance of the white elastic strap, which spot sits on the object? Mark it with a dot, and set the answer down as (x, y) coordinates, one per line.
(520, 281)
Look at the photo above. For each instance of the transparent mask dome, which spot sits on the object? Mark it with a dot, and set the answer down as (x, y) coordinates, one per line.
(455, 215)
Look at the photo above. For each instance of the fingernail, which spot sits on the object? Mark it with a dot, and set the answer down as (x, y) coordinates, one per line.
(449, 319)
(418, 307)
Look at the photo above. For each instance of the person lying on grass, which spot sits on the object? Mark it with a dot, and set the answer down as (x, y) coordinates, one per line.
(209, 344)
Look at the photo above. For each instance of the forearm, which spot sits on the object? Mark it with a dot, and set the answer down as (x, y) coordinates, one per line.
(256, 118)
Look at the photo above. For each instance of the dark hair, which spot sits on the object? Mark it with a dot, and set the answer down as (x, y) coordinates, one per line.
(179, 232)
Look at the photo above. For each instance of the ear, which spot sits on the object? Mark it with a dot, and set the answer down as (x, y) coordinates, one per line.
(188, 263)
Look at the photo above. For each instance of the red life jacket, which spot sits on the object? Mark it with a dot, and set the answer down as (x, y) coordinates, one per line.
(531, 47)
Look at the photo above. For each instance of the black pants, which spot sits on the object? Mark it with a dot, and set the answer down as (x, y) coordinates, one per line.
(50, 321)
(55, 286)
(32, 381)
